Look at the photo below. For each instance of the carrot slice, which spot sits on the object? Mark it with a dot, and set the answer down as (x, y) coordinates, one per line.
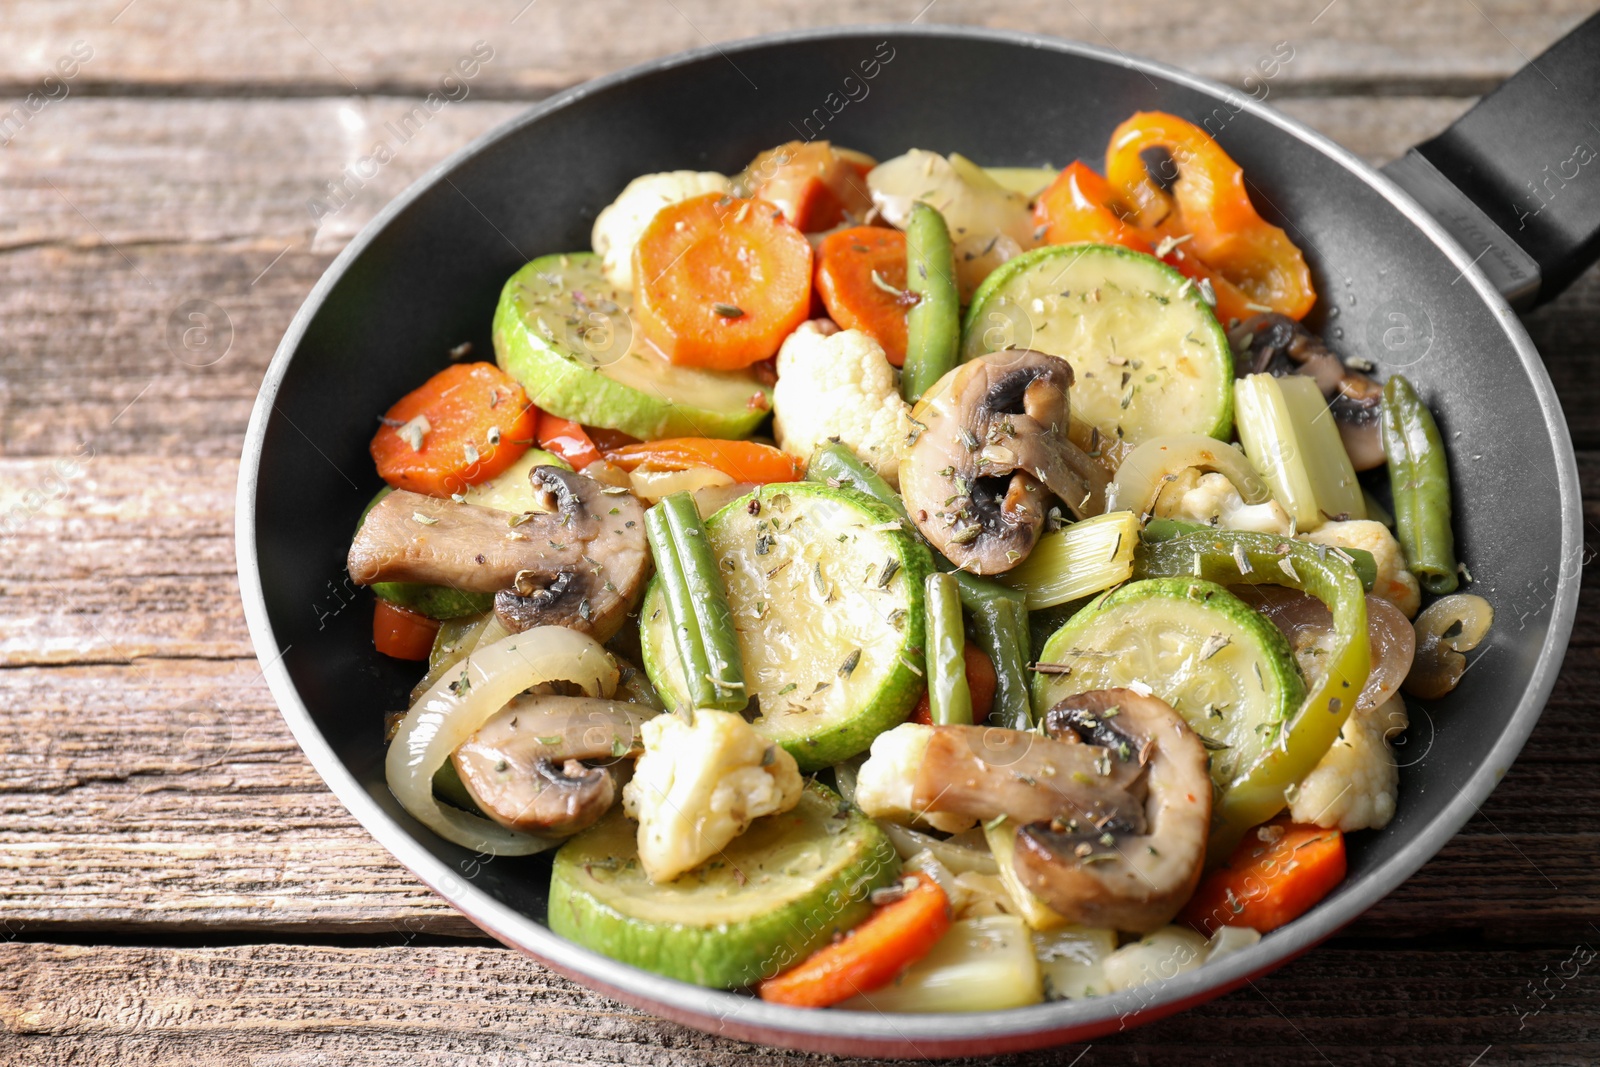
(721, 281)
(870, 956)
(401, 632)
(568, 440)
(743, 461)
(463, 426)
(981, 683)
(817, 186)
(861, 276)
(1275, 875)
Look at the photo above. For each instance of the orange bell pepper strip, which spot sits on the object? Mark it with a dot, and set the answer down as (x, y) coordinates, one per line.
(1078, 206)
(743, 461)
(870, 956)
(817, 186)
(1275, 875)
(401, 632)
(1208, 200)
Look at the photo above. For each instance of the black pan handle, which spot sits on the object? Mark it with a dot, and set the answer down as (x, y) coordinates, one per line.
(1516, 180)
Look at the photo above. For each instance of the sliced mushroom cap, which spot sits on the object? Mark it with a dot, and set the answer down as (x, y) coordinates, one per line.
(524, 766)
(595, 595)
(1271, 343)
(581, 565)
(981, 772)
(1130, 874)
(989, 438)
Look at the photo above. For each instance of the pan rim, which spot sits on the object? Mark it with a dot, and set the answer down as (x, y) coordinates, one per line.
(882, 1034)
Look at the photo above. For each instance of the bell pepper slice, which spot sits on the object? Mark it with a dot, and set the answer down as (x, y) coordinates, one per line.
(1231, 558)
(1208, 200)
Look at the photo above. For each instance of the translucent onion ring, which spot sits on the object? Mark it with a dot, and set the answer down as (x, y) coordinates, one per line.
(1143, 474)
(444, 718)
(957, 858)
(1389, 633)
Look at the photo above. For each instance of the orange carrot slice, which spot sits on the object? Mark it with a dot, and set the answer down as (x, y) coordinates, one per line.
(861, 276)
(721, 281)
(1275, 875)
(743, 461)
(870, 956)
(463, 426)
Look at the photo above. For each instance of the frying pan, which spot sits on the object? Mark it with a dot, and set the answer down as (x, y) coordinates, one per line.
(1417, 269)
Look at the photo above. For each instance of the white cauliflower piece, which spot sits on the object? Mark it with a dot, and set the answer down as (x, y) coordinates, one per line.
(886, 781)
(699, 785)
(1395, 582)
(1213, 500)
(618, 228)
(1356, 784)
(840, 386)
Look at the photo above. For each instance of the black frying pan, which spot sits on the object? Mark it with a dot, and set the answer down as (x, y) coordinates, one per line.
(1396, 288)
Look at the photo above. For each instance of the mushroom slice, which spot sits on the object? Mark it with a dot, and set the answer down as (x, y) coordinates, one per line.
(524, 766)
(989, 438)
(1271, 343)
(605, 525)
(1134, 874)
(983, 772)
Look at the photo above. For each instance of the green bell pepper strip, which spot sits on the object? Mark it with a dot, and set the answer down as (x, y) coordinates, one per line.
(1000, 615)
(1419, 478)
(1232, 558)
(1156, 530)
(949, 697)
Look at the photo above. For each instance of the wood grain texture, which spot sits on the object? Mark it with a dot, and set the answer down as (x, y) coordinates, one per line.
(299, 46)
(286, 1005)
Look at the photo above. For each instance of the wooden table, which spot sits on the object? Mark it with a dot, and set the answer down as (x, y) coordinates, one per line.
(176, 884)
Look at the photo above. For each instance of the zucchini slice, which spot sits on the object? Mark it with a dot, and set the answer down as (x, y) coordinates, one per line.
(1221, 665)
(1148, 354)
(564, 332)
(825, 586)
(781, 890)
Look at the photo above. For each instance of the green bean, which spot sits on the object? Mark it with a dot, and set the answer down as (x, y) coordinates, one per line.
(949, 697)
(1419, 478)
(1002, 629)
(933, 325)
(697, 604)
(1158, 530)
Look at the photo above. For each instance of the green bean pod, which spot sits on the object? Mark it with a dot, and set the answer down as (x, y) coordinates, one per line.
(1419, 478)
(949, 697)
(697, 604)
(1002, 630)
(933, 325)
(1232, 558)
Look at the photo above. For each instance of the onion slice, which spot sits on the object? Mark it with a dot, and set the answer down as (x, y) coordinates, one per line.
(455, 706)
(1144, 473)
(1308, 624)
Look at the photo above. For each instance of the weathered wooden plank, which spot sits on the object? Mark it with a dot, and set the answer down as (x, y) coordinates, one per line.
(296, 46)
(304, 1005)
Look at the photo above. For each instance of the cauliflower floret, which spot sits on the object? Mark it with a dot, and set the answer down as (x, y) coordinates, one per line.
(839, 386)
(1213, 500)
(886, 781)
(699, 785)
(1355, 785)
(1395, 583)
(618, 228)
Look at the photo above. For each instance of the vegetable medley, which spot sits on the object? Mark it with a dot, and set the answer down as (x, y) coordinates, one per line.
(914, 585)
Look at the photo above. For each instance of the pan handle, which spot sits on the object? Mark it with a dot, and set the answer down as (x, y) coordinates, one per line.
(1516, 180)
